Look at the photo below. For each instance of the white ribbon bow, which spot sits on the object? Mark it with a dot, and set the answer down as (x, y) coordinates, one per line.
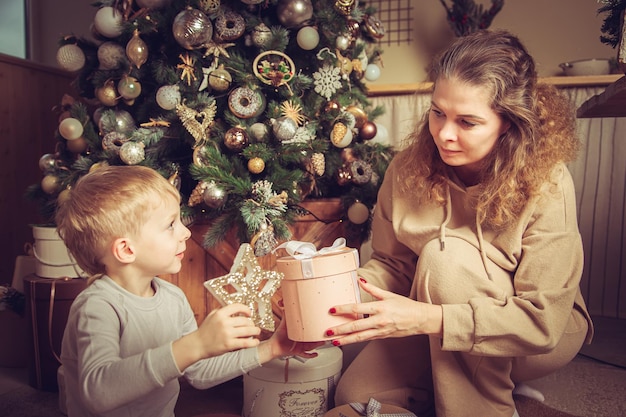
(306, 250)
(373, 410)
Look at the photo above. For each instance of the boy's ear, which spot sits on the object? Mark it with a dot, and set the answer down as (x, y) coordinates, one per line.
(123, 251)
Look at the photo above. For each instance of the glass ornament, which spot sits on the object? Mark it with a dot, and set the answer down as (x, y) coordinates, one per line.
(137, 50)
(129, 87)
(284, 128)
(70, 57)
(108, 22)
(192, 29)
(71, 128)
(236, 139)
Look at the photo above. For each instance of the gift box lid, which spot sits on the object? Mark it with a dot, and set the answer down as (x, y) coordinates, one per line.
(328, 362)
(322, 265)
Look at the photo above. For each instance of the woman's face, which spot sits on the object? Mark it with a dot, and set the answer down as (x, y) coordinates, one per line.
(464, 127)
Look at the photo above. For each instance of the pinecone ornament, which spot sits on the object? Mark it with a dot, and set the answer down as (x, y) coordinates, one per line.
(319, 163)
(197, 195)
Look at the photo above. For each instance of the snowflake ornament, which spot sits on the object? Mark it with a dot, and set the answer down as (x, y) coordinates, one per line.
(327, 81)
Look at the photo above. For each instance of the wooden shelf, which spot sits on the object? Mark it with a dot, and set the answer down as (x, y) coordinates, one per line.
(610, 103)
(375, 90)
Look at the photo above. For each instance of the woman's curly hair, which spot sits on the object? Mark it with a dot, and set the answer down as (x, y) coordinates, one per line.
(542, 129)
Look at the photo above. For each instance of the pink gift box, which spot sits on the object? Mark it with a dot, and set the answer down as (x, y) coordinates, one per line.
(311, 286)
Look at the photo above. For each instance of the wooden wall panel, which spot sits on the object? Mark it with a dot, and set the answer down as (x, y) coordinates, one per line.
(28, 93)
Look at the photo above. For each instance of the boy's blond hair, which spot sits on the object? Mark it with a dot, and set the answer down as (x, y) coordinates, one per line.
(106, 204)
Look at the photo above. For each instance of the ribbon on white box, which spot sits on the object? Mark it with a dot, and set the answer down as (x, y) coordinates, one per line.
(373, 410)
(306, 251)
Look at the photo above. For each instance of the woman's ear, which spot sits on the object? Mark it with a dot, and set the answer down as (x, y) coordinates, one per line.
(123, 250)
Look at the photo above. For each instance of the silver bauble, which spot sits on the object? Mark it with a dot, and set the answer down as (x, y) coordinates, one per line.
(71, 58)
(261, 34)
(192, 29)
(111, 55)
(214, 196)
(284, 128)
(132, 153)
(292, 13)
(47, 163)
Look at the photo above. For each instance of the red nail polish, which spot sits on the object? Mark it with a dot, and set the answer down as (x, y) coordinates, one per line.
(362, 280)
(336, 343)
(329, 332)
(332, 310)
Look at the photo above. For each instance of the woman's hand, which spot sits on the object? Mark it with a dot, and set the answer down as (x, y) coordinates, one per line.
(392, 315)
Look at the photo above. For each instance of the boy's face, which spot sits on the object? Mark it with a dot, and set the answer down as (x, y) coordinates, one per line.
(161, 244)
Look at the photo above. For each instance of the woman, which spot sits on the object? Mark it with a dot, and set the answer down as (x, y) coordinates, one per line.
(477, 257)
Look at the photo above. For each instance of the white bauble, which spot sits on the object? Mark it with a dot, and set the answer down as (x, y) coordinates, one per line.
(108, 22)
(111, 55)
(70, 57)
(308, 38)
(382, 134)
(168, 97)
(372, 72)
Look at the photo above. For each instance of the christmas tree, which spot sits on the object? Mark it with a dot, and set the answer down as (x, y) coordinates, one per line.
(247, 106)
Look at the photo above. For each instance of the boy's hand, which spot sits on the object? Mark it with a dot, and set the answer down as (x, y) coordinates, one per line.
(228, 328)
(223, 330)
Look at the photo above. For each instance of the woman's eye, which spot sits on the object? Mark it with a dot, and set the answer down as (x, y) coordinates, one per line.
(467, 123)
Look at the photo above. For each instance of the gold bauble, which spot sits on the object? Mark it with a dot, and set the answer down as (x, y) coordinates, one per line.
(137, 50)
(129, 87)
(220, 79)
(359, 115)
(256, 165)
(107, 94)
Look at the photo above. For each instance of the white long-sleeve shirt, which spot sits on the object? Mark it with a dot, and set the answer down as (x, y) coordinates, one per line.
(117, 352)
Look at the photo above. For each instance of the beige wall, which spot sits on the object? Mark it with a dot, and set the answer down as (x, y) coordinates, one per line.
(554, 31)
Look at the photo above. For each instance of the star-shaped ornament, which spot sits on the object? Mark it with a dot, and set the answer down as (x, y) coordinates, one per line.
(248, 284)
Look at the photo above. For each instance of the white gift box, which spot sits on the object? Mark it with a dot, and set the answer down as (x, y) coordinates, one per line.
(293, 387)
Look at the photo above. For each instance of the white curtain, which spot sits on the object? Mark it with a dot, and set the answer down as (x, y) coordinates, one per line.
(600, 178)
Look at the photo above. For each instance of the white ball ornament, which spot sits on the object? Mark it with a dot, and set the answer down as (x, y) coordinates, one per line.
(70, 57)
(292, 13)
(308, 38)
(71, 128)
(168, 97)
(108, 22)
(258, 131)
(372, 72)
(111, 55)
(342, 42)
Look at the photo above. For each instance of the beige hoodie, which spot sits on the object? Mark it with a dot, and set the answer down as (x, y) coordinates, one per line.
(542, 253)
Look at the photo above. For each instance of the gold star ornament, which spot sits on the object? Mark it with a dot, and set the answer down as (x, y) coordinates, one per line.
(248, 284)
